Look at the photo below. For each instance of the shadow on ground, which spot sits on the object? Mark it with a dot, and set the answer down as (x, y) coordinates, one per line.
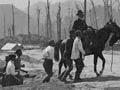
(102, 79)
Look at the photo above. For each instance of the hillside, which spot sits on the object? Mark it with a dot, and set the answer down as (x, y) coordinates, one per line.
(20, 20)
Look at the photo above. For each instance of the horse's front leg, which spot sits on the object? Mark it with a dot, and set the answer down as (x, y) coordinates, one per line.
(103, 64)
(95, 64)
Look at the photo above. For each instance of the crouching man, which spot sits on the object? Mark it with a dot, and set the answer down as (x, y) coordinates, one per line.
(48, 56)
(11, 77)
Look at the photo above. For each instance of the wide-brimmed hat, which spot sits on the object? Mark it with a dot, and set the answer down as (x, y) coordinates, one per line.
(51, 42)
(80, 13)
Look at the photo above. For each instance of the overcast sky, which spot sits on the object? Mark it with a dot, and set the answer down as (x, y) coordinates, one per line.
(21, 4)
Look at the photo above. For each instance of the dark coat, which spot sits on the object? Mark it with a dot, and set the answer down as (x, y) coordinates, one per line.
(79, 25)
(68, 48)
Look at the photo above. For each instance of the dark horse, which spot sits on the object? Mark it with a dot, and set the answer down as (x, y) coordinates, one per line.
(94, 43)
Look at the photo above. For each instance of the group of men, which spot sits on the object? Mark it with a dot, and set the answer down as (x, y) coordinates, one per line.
(73, 51)
(11, 71)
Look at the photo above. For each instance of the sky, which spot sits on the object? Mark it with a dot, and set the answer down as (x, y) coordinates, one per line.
(22, 4)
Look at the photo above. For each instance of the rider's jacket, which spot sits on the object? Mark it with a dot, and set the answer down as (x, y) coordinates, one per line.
(79, 24)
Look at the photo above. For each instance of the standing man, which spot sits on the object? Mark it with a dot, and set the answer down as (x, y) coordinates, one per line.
(80, 23)
(78, 55)
(48, 56)
(67, 56)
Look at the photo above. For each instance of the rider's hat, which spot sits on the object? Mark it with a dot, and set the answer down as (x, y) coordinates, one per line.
(80, 13)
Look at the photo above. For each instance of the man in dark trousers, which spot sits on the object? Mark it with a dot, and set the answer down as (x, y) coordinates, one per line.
(67, 56)
(48, 56)
(12, 77)
(80, 23)
(78, 55)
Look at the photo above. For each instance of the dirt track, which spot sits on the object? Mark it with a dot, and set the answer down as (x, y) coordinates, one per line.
(108, 81)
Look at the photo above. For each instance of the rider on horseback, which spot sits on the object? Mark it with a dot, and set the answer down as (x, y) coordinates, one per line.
(80, 23)
(86, 31)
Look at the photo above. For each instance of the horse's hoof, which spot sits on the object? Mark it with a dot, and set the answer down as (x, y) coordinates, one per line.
(71, 77)
(59, 77)
(98, 75)
(101, 73)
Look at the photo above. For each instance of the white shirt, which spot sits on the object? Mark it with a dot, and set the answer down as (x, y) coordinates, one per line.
(10, 69)
(77, 48)
(49, 52)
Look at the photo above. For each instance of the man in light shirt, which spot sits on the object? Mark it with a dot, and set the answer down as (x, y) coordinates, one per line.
(12, 77)
(78, 55)
(10, 69)
(48, 55)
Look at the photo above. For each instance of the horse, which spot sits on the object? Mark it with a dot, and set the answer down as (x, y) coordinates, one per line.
(59, 54)
(94, 43)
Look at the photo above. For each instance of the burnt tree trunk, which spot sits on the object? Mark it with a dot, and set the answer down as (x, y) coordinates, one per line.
(59, 23)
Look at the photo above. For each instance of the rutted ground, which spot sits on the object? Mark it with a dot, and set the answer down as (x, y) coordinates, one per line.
(109, 80)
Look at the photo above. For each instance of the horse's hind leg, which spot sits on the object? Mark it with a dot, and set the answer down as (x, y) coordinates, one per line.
(103, 60)
(95, 64)
(60, 66)
(65, 65)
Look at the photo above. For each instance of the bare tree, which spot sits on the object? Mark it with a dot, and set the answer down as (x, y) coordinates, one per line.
(70, 19)
(94, 13)
(90, 16)
(85, 8)
(9, 32)
(59, 22)
(118, 7)
(65, 34)
(13, 24)
(107, 10)
(38, 20)
(48, 21)
(29, 17)
(4, 27)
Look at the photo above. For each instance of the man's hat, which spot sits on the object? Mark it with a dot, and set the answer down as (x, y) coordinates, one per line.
(12, 57)
(71, 32)
(18, 52)
(78, 33)
(80, 13)
(51, 42)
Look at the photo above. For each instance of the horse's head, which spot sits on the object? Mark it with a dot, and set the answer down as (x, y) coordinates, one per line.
(115, 29)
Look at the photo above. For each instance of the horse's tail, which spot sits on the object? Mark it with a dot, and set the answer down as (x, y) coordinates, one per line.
(57, 53)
